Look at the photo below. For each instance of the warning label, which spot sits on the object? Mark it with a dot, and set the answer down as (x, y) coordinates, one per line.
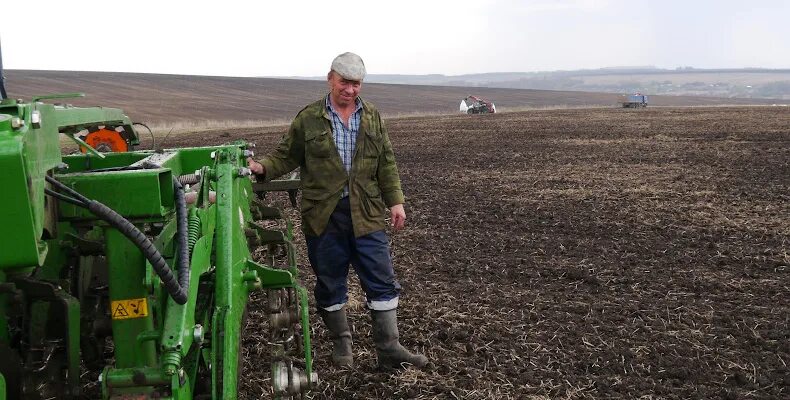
(131, 308)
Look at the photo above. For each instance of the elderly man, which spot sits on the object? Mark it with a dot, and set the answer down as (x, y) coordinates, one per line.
(349, 178)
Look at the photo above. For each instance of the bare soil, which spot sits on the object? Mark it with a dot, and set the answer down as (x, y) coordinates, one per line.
(156, 98)
(577, 254)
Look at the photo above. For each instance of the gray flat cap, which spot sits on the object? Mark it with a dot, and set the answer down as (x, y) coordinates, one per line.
(349, 66)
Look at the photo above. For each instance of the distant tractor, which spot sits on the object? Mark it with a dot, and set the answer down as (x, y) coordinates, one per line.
(634, 101)
(476, 105)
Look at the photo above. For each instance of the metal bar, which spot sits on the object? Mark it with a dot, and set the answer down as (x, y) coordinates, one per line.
(226, 274)
(127, 272)
(132, 377)
(85, 145)
(308, 356)
(277, 185)
(72, 333)
(36, 99)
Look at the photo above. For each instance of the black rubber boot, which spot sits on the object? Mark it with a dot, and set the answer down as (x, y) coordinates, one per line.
(337, 324)
(390, 352)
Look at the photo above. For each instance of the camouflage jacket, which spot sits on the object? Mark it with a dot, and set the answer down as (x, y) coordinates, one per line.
(373, 182)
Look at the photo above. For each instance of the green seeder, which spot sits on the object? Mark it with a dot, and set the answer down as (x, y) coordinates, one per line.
(136, 265)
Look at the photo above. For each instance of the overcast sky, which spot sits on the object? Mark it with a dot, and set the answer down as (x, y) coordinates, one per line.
(300, 38)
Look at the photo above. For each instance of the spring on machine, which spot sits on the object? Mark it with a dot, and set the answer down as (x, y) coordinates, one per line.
(193, 230)
(189, 179)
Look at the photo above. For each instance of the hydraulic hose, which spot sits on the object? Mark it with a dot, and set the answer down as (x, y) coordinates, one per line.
(178, 289)
(183, 239)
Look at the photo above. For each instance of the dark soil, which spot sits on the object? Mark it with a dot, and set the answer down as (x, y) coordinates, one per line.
(578, 254)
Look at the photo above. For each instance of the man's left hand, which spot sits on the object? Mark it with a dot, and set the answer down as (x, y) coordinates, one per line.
(256, 167)
(398, 216)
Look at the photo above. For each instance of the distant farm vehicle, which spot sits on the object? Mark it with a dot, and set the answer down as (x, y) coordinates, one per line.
(634, 101)
(476, 105)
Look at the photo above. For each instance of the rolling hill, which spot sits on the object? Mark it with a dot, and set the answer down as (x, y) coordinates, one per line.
(682, 81)
(154, 98)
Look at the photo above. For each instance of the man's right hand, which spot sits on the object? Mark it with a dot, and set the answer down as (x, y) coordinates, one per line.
(256, 167)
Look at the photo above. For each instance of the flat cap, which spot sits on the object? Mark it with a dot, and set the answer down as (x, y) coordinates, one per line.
(349, 66)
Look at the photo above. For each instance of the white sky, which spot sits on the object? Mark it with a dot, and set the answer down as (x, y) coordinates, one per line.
(300, 38)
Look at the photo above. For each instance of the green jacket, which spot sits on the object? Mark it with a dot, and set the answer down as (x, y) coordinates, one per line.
(373, 183)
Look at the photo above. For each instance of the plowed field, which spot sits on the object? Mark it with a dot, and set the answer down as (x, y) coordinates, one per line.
(601, 253)
(169, 99)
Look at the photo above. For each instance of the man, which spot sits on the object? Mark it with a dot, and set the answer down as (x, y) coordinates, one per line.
(349, 177)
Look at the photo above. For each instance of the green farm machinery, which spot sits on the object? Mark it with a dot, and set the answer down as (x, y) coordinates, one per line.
(127, 274)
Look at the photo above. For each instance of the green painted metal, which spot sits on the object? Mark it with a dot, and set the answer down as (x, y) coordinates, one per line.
(83, 162)
(27, 151)
(72, 337)
(19, 228)
(57, 96)
(71, 269)
(305, 315)
(71, 120)
(133, 377)
(126, 266)
(134, 194)
(84, 117)
(229, 257)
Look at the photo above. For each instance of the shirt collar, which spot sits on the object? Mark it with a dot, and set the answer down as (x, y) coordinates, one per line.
(331, 109)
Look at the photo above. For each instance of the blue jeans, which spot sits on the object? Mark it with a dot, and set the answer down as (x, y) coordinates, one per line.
(331, 253)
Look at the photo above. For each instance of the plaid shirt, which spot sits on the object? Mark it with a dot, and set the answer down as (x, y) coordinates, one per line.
(345, 137)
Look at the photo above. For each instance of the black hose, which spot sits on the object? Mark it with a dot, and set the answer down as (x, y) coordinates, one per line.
(182, 237)
(117, 221)
(61, 186)
(153, 139)
(65, 198)
(178, 289)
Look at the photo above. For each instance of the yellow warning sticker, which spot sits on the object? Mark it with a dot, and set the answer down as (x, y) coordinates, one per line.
(130, 308)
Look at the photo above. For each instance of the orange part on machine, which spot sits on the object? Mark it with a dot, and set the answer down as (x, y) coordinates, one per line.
(106, 140)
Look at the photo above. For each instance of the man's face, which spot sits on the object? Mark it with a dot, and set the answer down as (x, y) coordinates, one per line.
(343, 92)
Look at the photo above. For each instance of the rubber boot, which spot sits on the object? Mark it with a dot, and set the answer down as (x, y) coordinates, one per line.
(385, 336)
(337, 324)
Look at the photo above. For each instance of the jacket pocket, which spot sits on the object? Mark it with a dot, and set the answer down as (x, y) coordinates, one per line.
(373, 145)
(317, 144)
(311, 198)
(372, 201)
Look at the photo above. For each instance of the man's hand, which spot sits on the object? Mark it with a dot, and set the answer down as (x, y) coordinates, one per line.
(256, 167)
(398, 216)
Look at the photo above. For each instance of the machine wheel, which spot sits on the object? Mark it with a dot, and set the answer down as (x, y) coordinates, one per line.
(106, 141)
